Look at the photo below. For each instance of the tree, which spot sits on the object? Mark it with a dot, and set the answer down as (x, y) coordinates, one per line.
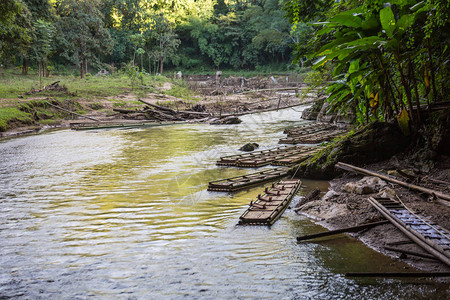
(82, 34)
(41, 33)
(42, 46)
(15, 24)
(385, 65)
(161, 39)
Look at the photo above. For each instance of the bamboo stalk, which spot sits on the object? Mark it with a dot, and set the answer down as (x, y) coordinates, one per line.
(397, 274)
(66, 110)
(342, 230)
(410, 252)
(417, 239)
(431, 192)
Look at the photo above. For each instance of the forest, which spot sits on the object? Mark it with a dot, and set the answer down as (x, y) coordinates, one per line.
(50, 35)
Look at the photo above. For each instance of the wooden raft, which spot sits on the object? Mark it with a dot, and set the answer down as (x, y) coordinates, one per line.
(241, 182)
(119, 125)
(267, 208)
(313, 138)
(261, 158)
(307, 129)
(295, 159)
(431, 237)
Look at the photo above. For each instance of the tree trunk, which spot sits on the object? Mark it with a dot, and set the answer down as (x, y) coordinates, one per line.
(25, 67)
(161, 66)
(85, 66)
(40, 74)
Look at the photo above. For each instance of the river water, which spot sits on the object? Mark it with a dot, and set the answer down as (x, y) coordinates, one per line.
(124, 214)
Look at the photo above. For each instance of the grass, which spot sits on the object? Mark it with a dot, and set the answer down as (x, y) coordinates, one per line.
(12, 114)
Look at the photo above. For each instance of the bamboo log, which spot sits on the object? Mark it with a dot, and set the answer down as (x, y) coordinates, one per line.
(337, 231)
(159, 107)
(125, 111)
(431, 192)
(66, 110)
(397, 274)
(426, 245)
(162, 115)
(273, 89)
(410, 252)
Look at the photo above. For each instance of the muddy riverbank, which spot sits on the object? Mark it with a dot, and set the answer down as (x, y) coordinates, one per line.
(339, 208)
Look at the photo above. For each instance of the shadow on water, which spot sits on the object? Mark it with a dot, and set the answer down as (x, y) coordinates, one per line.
(126, 214)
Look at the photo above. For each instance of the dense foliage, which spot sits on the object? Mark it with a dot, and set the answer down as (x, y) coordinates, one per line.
(187, 34)
(388, 58)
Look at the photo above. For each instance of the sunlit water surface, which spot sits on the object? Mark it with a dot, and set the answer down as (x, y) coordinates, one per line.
(125, 214)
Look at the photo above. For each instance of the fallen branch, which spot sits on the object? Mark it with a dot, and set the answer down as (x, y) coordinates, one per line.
(337, 231)
(159, 107)
(430, 192)
(410, 252)
(71, 112)
(397, 274)
(125, 111)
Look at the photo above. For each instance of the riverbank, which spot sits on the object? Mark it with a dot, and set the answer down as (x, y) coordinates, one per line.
(24, 111)
(339, 208)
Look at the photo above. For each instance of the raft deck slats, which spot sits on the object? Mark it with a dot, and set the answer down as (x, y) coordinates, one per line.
(122, 125)
(431, 237)
(311, 139)
(295, 159)
(261, 158)
(311, 128)
(267, 208)
(311, 132)
(241, 182)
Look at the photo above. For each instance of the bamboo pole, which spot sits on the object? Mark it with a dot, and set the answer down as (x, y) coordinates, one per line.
(431, 192)
(342, 230)
(397, 274)
(66, 110)
(410, 252)
(425, 244)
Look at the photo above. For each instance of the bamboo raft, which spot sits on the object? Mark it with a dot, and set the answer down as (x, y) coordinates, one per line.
(295, 159)
(118, 125)
(431, 237)
(308, 129)
(261, 158)
(313, 138)
(241, 182)
(269, 207)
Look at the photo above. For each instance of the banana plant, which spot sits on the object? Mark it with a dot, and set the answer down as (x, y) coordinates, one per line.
(376, 54)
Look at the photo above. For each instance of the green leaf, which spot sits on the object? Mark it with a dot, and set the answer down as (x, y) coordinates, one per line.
(370, 23)
(387, 20)
(371, 41)
(405, 22)
(347, 20)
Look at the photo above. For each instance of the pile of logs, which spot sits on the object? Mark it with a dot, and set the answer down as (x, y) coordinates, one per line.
(161, 113)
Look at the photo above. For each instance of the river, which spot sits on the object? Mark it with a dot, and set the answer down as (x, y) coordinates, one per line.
(124, 214)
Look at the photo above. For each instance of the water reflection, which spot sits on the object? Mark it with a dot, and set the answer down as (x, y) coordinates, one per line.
(125, 214)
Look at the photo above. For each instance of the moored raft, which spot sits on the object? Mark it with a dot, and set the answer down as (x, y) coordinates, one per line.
(241, 182)
(295, 159)
(312, 138)
(311, 128)
(269, 207)
(119, 125)
(261, 158)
